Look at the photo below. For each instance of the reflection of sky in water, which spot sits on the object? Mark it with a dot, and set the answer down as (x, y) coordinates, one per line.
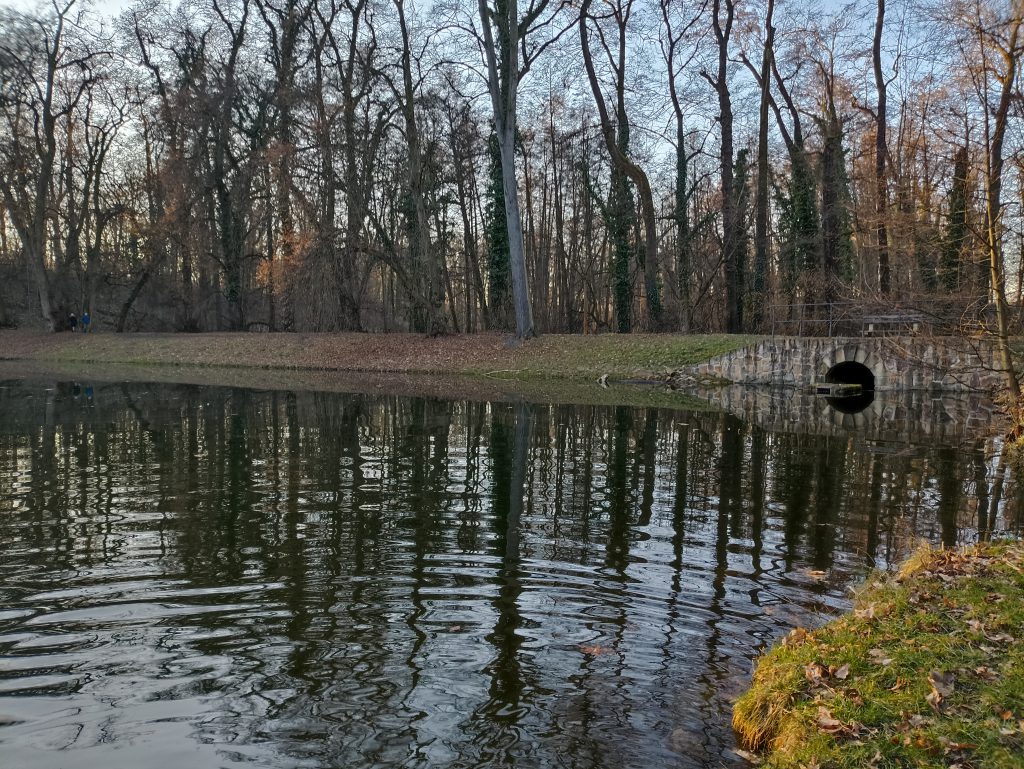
(211, 577)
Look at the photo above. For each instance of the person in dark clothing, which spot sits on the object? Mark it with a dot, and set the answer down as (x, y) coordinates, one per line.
(72, 321)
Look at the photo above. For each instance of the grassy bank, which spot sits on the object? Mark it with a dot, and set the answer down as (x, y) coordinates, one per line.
(926, 671)
(575, 358)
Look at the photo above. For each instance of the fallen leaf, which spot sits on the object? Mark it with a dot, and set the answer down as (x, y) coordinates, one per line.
(951, 746)
(987, 673)
(827, 723)
(592, 649)
(842, 672)
(941, 682)
(868, 612)
(879, 657)
(796, 637)
(814, 672)
(1001, 638)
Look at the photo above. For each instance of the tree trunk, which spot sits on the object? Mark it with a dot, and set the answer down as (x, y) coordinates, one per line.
(516, 249)
(993, 206)
(761, 214)
(426, 263)
(503, 85)
(626, 166)
(733, 287)
(881, 153)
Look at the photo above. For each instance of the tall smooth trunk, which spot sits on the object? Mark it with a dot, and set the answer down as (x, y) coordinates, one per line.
(881, 153)
(516, 247)
(761, 213)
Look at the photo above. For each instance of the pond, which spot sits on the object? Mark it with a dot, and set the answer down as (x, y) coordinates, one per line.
(226, 577)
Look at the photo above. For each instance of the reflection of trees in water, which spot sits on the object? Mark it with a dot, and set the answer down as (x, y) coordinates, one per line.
(400, 528)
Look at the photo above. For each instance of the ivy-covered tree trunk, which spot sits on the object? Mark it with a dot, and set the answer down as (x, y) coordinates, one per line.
(621, 222)
(956, 226)
(806, 223)
(499, 272)
(616, 140)
(837, 246)
(503, 73)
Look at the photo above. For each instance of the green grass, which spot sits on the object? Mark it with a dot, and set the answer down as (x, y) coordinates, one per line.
(926, 671)
(621, 356)
(550, 357)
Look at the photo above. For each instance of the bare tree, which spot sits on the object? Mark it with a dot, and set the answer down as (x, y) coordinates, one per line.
(43, 79)
(676, 61)
(509, 52)
(616, 140)
(881, 154)
(722, 27)
(759, 287)
(999, 38)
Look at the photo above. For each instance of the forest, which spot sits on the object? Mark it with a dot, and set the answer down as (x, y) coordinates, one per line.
(531, 166)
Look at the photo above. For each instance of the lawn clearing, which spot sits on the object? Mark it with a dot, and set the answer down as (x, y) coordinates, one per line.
(565, 357)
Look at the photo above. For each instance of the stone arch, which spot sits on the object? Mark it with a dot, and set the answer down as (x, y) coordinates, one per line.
(853, 354)
(872, 415)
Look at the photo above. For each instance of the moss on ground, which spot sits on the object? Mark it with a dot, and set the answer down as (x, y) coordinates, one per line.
(926, 671)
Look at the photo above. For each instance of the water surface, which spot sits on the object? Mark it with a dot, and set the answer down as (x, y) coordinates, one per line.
(212, 577)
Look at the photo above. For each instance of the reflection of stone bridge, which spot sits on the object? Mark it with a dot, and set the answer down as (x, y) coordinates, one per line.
(897, 417)
(879, 363)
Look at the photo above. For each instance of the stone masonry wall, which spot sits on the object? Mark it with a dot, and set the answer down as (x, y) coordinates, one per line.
(898, 363)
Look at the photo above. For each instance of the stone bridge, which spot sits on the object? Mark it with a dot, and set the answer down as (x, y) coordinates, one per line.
(949, 419)
(876, 363)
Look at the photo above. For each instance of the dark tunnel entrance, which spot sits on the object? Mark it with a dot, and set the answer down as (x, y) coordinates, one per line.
(851, 372)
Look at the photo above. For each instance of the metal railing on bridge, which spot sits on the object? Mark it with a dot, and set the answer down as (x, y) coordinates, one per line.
(936, 316)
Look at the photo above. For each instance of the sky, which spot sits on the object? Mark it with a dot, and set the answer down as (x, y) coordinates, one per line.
(113, 6)
(105, 6)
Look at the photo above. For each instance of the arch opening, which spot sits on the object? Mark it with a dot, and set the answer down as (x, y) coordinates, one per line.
(851, 372)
